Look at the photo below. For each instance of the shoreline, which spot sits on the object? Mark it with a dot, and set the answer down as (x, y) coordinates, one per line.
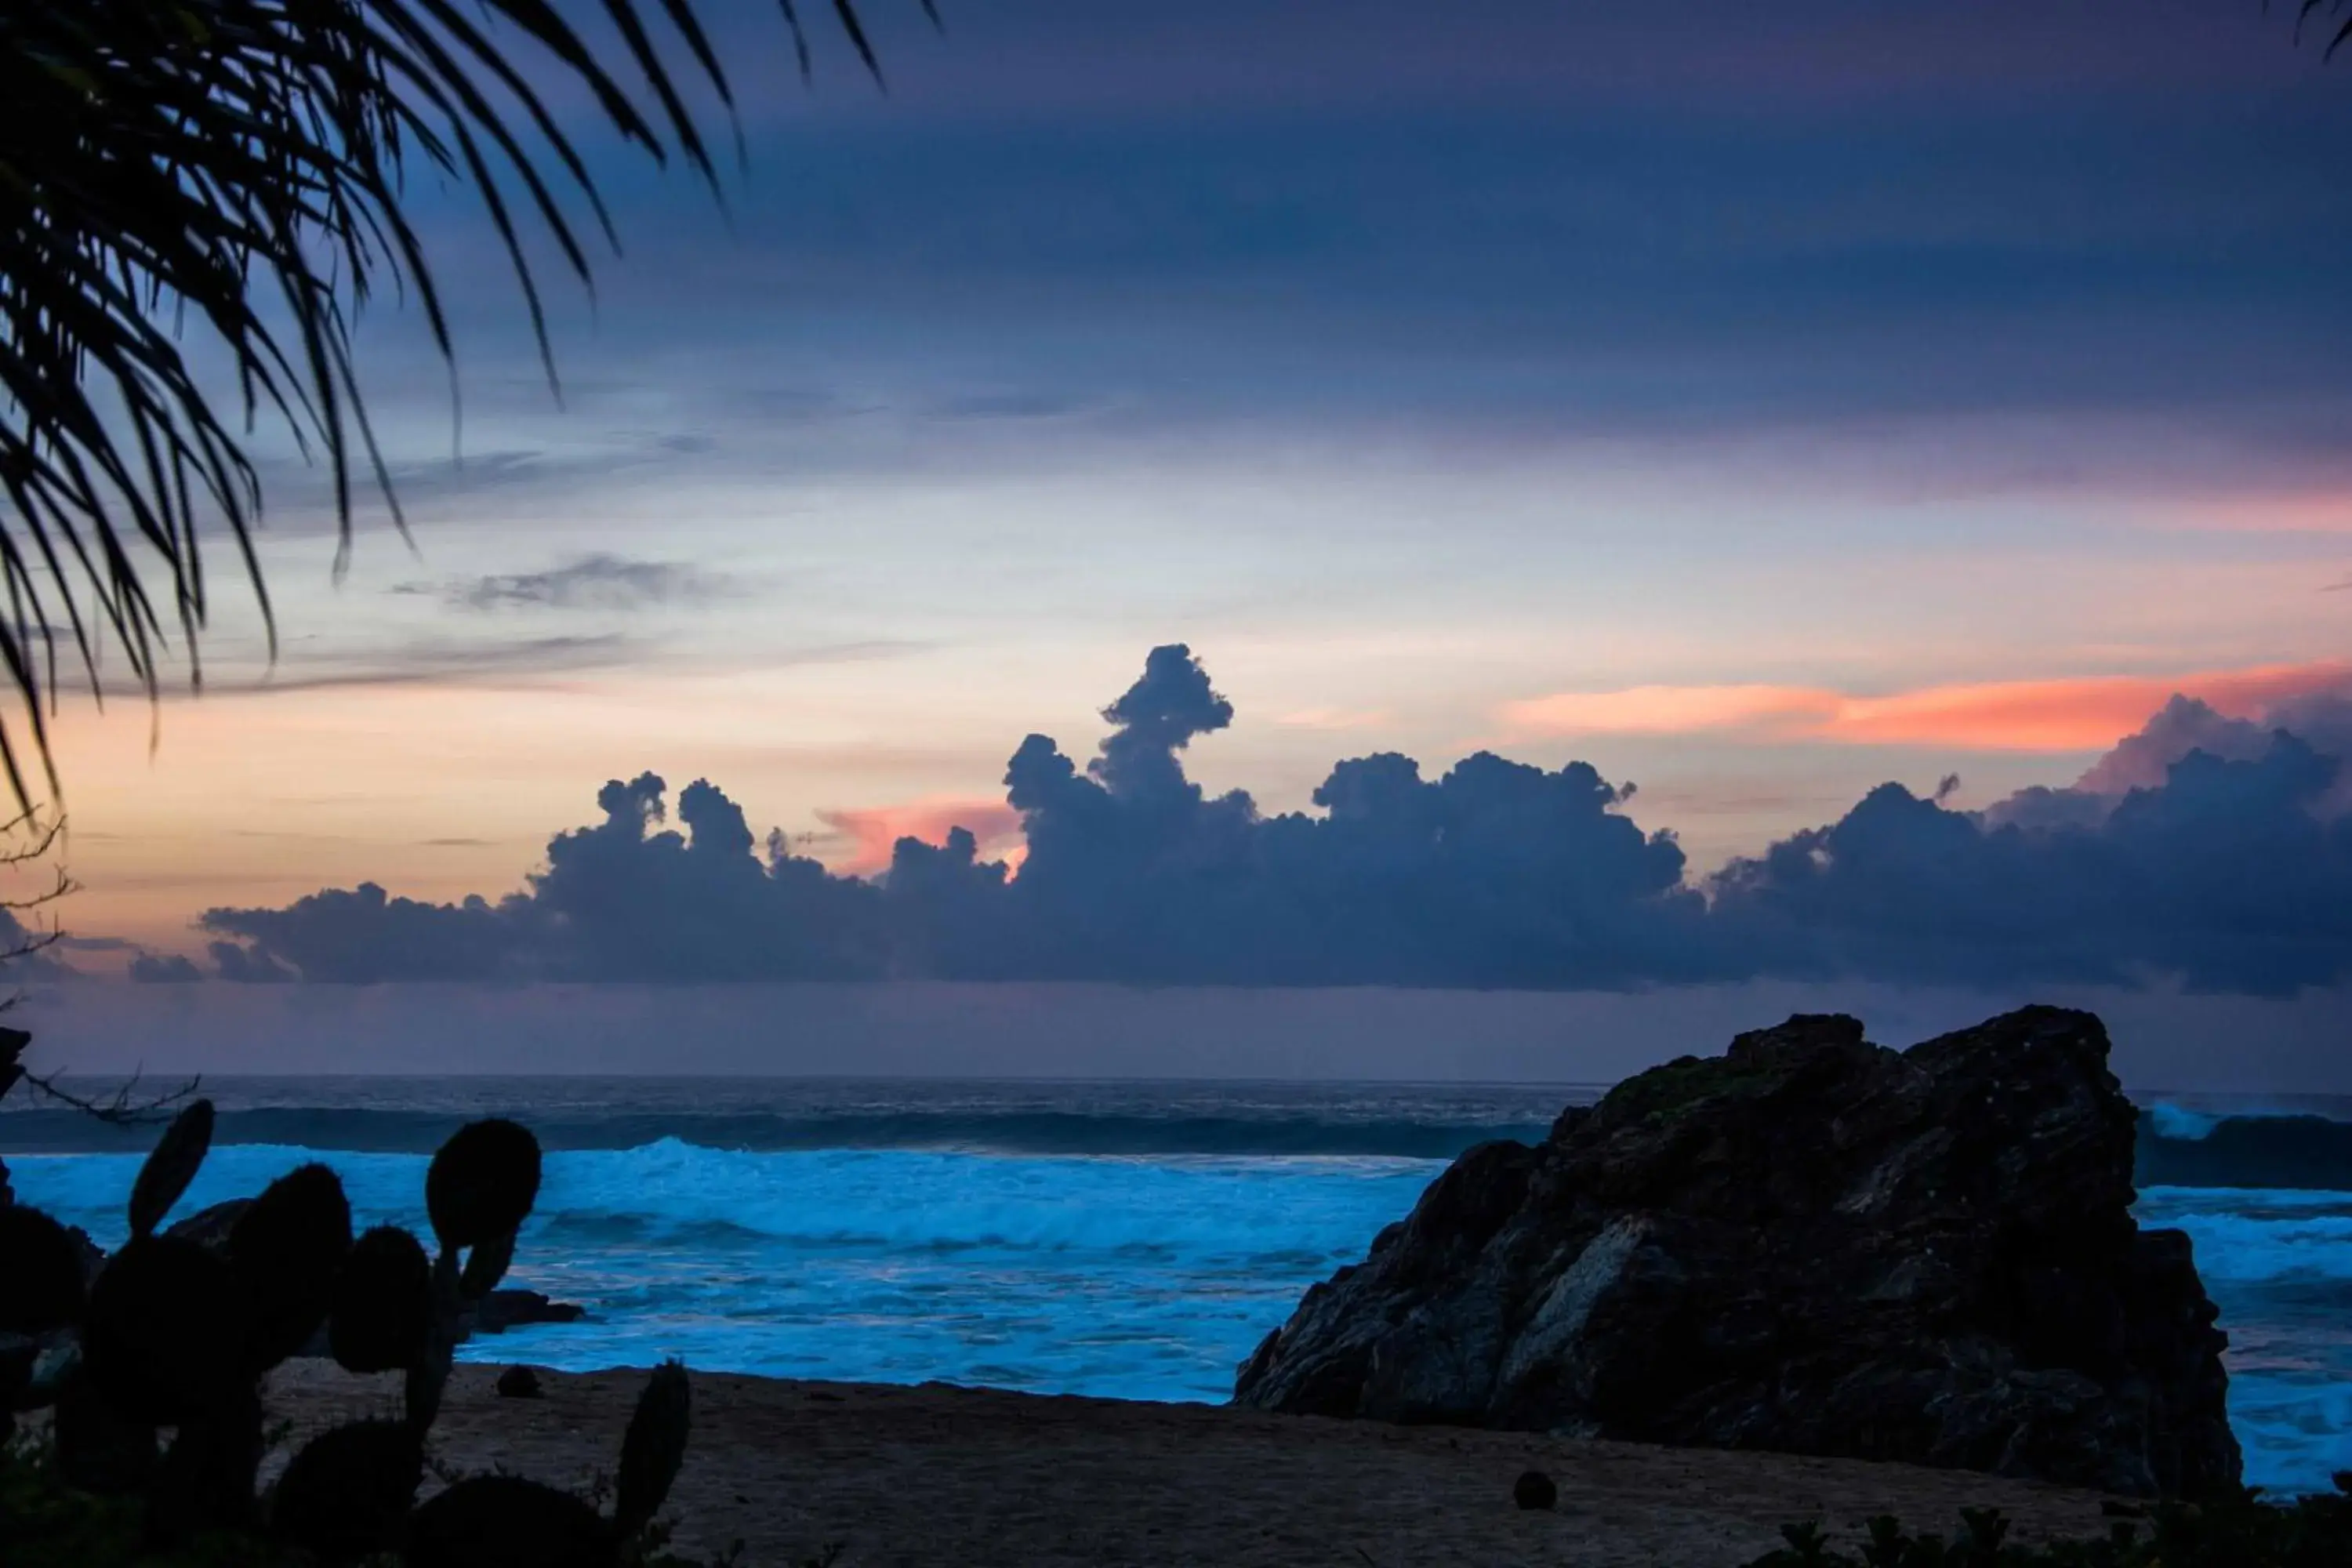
(932, 1475)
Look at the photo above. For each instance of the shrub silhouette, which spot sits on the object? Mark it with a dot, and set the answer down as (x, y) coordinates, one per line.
(174, 1333)
(2246, 1531)
(41, 1290)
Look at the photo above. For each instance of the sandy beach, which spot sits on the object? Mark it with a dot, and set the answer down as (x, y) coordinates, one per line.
(934, 1475)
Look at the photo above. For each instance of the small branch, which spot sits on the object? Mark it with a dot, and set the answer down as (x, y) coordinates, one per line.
(123, 1108)
(59, 889)
(39, 837)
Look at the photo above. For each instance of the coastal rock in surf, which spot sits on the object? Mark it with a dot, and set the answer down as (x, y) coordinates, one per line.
(503, 1309)
(210, 1226)
(1810, 1244)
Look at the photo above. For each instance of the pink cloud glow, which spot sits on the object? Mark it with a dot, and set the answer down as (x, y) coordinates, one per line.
(2307, 511)
(2062, 715)
(871, 831)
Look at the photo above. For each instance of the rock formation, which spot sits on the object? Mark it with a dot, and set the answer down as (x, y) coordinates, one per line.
(1810, 1244)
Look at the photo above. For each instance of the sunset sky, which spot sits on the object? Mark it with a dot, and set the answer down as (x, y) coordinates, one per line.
(1759, 403)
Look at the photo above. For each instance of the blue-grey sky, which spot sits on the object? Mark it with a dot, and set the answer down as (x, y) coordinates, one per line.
(1759, 404)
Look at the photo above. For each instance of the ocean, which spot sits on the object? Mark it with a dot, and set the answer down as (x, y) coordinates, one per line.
(1126, 1239)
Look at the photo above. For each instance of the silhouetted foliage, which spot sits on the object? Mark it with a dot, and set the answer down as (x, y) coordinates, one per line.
(2243, 1531)
(42, 1287)
(347, 1494)
(204, 165)
(383, 1312)
(177, 1333)
(287, 1250)
(482, 1182)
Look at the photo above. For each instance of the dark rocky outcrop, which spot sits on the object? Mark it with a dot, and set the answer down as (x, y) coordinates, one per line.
(503, 1309)
(1810, 1244)
(11, 1047)
(2307, 1152)
(209, 1226)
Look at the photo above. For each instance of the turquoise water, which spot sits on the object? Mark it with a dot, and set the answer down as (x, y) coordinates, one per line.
(1147, 1274)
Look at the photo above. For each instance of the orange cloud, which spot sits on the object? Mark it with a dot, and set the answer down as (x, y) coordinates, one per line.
(2313, 511)
(870, 832)
(2065, 715)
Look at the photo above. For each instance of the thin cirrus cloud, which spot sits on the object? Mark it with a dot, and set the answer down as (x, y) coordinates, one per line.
(2063, 715)
(1334, 719)
(872, 831)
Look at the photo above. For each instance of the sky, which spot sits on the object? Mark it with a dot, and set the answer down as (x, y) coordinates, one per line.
(1758, 404)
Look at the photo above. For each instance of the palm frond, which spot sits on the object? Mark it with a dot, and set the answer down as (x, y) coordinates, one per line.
(235, 168)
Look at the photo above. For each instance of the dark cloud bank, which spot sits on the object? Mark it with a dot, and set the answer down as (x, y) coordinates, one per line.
(2206, 851)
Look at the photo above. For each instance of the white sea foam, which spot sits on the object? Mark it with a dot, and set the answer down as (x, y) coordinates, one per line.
(1140, 1277)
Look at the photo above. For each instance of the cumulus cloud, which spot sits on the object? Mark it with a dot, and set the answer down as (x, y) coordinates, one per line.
(164, 969)
(2144, 759)
(363, 934)
(247, 966)
(626, 898)
(2322, 716)
(2225, 876)
(2207, 848)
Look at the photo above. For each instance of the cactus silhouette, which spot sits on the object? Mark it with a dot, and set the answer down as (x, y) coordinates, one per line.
(505, 1521)
(486, 1264)
(287, 1251)
(653, 1447)
(169, 1170)
(382, 1315)
(347, 1494)
(163, 1337)
(482, 1184)
(99, 1450)
(176, 1333)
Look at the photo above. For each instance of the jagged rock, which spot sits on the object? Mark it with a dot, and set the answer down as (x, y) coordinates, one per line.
(11, 1046)
(18, 1352)
(93, 1257)
(210, 1227)
(1810, 1244)
(503, 1309)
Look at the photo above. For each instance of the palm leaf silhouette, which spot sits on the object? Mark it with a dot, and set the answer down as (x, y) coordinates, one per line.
(235, 169)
